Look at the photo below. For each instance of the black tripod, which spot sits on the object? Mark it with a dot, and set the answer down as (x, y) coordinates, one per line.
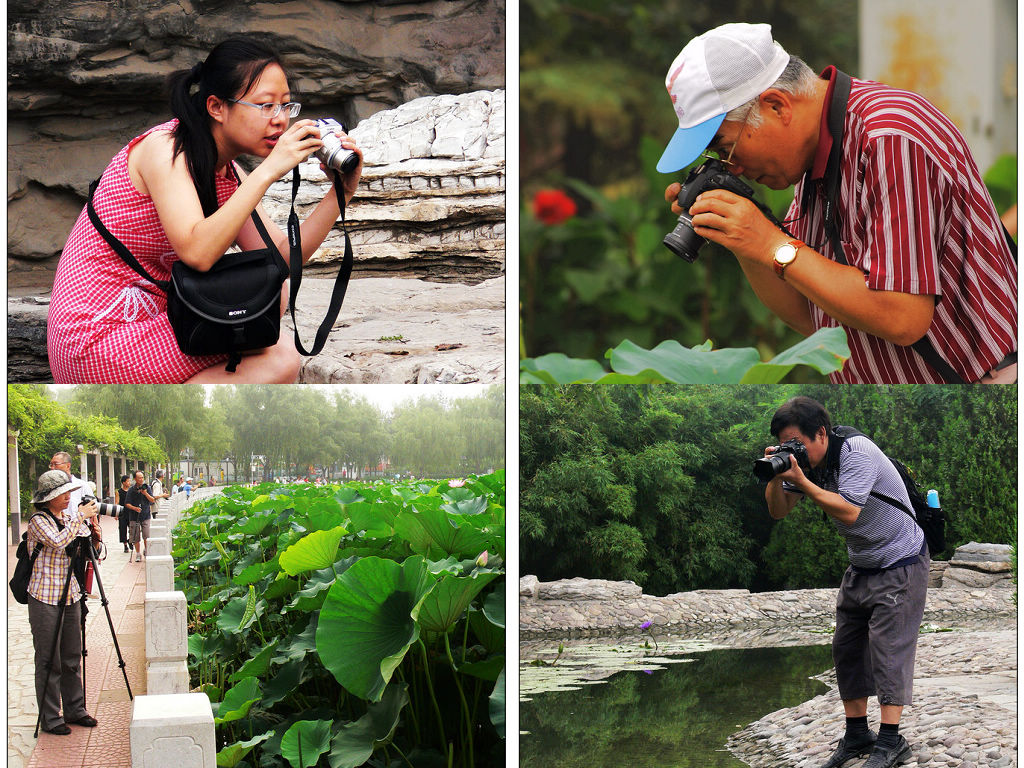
(77, 551)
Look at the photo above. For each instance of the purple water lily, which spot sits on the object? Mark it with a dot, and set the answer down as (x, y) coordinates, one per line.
(647, 625)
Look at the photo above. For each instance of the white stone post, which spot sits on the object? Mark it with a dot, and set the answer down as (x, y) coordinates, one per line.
(99, 474)
(113, 477)
(166, 642)
(173, 730)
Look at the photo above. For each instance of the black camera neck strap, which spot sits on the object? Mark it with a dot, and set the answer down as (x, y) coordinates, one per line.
(836, 127)
(129, 258)
(295, 267)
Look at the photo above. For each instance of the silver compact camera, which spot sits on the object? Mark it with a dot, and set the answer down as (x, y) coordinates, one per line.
(332, 154)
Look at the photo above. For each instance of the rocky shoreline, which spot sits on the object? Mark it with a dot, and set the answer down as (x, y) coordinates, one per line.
(965, 695)
(964, 711)
(976, 581)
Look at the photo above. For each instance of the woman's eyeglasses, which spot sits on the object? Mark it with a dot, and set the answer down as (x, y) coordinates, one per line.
(270, 111)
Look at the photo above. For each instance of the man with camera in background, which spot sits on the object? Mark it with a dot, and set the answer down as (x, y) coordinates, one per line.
(894, 235)
(882, 595)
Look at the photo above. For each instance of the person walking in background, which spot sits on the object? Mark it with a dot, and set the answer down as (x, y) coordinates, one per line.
(140, 498)
(158, 491)
(124, 517)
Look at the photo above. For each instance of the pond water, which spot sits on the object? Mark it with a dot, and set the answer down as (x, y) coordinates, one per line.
(677, 716)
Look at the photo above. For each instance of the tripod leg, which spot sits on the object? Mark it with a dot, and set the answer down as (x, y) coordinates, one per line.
(110, 622)
(57, 632)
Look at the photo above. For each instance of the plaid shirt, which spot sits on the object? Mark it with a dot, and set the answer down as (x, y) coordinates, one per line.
(51, 567)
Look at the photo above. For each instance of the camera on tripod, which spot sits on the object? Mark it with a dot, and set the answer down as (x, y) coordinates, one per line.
(114, 510)
(778, 462)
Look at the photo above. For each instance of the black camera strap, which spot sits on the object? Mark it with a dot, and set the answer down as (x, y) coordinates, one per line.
(129, 258)
(836, 126)
(295, 267)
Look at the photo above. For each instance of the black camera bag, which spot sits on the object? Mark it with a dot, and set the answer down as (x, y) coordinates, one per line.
(931, 520)
(234, 307)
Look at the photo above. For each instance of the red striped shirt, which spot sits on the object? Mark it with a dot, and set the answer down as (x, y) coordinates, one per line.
(916, 217)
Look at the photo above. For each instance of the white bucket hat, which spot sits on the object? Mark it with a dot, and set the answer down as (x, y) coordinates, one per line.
(715, 73)
(52, 484)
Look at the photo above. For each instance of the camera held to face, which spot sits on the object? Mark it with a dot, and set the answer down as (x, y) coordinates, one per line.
(778, 462)
(712, 174)
(332, 154)
(103, 508)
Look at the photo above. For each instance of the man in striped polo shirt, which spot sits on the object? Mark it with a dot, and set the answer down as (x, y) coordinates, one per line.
(882, 595)
(915, 253)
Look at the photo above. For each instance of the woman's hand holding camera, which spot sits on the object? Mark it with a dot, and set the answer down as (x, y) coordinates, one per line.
(89, 510)
(294, 145)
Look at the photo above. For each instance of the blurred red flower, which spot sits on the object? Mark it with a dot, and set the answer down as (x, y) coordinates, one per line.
(553, 206)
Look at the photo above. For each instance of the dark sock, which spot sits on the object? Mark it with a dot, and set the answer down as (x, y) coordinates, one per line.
(857, 728)
(888, 734)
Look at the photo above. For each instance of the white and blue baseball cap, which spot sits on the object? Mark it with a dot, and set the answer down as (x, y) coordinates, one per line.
(715, 73)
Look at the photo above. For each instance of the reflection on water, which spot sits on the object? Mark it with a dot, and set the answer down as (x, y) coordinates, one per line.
(678, 717)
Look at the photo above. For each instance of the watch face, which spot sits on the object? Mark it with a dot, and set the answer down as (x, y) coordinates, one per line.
(785, 254)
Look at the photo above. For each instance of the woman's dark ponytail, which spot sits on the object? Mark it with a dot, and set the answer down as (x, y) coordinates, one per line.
(229, 71)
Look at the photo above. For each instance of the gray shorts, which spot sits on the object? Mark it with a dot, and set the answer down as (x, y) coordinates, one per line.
(877, 620)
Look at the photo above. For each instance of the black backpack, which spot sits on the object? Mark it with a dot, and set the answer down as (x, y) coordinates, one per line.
(931, 520)
(23, 569)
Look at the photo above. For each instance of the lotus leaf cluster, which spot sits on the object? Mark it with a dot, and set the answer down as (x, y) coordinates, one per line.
(348, 625)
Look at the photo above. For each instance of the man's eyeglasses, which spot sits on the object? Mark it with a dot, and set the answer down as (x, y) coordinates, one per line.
(720, 154)
(270, 111)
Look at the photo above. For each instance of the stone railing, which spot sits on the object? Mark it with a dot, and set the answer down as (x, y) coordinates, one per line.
(169, 725)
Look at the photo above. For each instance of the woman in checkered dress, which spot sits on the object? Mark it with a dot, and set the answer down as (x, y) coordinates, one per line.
(175, 192)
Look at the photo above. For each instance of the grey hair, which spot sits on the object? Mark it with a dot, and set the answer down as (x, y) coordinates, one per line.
(797, 78)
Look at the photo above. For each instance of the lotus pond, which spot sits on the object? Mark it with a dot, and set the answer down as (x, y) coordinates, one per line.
(360, 624)
(676, 707)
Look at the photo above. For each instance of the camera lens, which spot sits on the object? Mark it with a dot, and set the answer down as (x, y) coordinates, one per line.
(768, 467)
(683, 241)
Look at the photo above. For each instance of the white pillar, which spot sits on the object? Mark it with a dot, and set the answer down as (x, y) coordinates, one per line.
(99, 473)
(14, 494)
(113, 477)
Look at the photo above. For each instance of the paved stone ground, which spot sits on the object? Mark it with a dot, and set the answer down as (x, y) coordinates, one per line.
(107, 699)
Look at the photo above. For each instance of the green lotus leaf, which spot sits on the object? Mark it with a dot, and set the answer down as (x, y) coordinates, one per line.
(312, 552)
(355, 742)
(496, 705)
(322, 514)
(257, 665)
(254, 524)
(298, 645)
(494, 606)
(555, 368)
(450, 598)
(346, 495)
(378, 517)
(489, 634)
(232, 754)
(230, 617)
(671, 361)
(285, 681)
(249, 575)
(267, 503)
(449, 535)
(473, 506)
(238, 701)
(368, 622)
(488, 669)
(310, 737)
(825, 350)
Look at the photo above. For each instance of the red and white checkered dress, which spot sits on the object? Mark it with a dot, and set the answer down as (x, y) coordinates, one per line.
(107, 324)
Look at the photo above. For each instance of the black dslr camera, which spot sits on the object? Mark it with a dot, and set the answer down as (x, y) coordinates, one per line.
(769, 466)
(712, 174)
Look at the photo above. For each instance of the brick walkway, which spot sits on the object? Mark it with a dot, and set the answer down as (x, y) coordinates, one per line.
(106, 745)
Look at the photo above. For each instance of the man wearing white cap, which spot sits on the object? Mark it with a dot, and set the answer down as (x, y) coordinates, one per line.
(894, 235)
